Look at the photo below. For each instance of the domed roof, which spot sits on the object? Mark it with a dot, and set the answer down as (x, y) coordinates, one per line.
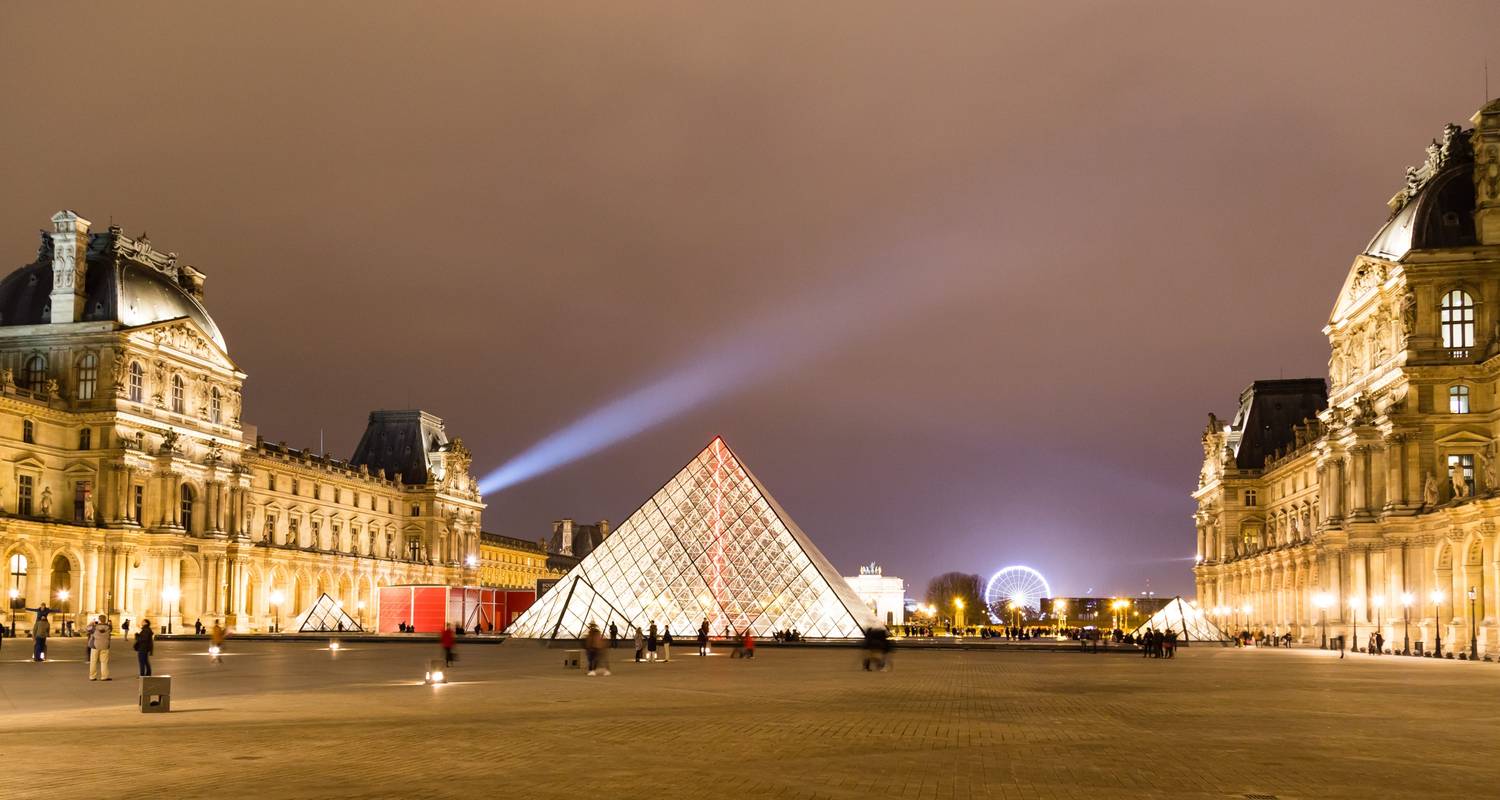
(1436, 209)
(132, 291)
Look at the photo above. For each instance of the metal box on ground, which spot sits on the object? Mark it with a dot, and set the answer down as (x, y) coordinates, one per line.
(156, 694)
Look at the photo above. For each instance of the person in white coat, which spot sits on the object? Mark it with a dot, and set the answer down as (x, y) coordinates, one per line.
(98, 633)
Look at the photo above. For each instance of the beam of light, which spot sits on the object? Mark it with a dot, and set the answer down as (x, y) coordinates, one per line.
(785, 337)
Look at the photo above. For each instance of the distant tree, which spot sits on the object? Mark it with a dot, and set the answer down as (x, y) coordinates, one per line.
(942, 589)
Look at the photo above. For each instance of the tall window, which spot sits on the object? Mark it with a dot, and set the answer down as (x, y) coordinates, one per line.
(28, 431)
(215, 406)
(139, 503)
(137, 382)
(24, 488)
(1457, 315)
(178, 391)
(1250, 497)
(88, 376)
(85, 439)
(18, 573)
(36, 373)
(187, 507)
(1458, 399)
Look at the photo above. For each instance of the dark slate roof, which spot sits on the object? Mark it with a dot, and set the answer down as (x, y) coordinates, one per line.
(121, 284)
(399, 441)
(585, 539)
(1436, 210)
(1269, 410)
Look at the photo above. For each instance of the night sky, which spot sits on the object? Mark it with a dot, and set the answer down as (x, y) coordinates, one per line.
(968, 282)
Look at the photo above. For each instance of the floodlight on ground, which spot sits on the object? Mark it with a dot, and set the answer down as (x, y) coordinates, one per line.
(435, 674)
(334, 645)
(213, 650)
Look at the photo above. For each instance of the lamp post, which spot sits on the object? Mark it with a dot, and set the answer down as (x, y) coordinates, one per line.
(62, 600)
(958, 615)
(470, 562)
(359, 606)
(1473, 630)
(1406, 599)
(1061, 607)
(1354, 606)
(276, 598)
(1248, 609)
(1437, 626)
(170, 594)
(1321, 600)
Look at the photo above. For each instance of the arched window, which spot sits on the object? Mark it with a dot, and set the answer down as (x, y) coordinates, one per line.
(1457, 316)
(36, 373)
(1458, 399)
(88, 376)
(215, 406)
(178, 391)
(187, 507)
(137, 382)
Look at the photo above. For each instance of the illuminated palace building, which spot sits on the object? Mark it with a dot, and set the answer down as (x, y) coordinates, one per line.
(129, 486)
(1376, 503)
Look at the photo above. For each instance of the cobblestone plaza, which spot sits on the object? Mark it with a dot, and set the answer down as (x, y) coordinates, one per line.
(794, 723)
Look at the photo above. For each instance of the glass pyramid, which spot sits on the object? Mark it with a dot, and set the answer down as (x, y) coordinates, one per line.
(1191, 624)
(324, 615)
(711, 544)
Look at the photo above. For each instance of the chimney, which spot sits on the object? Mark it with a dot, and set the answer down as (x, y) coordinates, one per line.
(566, 527)
(1487, 173)
(70, 246)
(603, 529)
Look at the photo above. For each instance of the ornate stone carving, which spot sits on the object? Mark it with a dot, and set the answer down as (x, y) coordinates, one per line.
(1429, 491)
(1459, 481)
(1452, 147)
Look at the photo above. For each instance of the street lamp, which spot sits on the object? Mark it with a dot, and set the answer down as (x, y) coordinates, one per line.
(1322, 600)
(958, 617)
(1354, 606)
(1473, 631)
(1406, 599)
(62, 600)
(1119, 607)
(170, 594)
(1060, 606)
(1437, 627)
(360, 607)
(276, 598)
(1248, 609)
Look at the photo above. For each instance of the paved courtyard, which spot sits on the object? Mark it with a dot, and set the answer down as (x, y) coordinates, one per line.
(292, 720)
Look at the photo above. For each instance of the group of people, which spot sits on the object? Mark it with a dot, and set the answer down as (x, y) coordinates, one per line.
(877, 650)
(650, 641)
(646, 645)
(792, 635)
(1159, 644)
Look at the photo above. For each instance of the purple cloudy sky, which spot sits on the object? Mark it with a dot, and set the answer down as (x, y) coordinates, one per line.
(986, 266)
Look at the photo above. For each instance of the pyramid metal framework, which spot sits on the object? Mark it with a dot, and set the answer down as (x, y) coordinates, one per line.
(325, 614)
(710, 544)
(1191, 624)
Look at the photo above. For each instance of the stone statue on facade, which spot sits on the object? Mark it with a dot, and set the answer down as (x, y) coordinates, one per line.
(47, 502)
(1487, 471)
(1430, 491)
(1459, 480)
(88, 504)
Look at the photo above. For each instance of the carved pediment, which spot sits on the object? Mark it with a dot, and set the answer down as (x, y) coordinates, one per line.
(184, 336)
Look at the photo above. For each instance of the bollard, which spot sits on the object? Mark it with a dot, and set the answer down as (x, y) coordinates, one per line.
(571, 659)
(156, 694)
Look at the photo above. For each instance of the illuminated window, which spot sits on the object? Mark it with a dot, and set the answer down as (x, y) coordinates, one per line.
(88, 376)
(36, 373)
(178, 393)
(137, 381)
(24, 487)
(1458, 399)
(1457, 316)
(1249, 497)
(18, 573)
(215, 406)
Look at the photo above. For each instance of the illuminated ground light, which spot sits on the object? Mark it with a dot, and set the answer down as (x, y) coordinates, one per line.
(1023, 586)
(435, 674)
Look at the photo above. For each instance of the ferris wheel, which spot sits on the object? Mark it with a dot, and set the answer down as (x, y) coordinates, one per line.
(1023, 586)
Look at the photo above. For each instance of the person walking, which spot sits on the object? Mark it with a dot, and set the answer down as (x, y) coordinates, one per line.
(39, 633)
(98, 633)
(216, 636)
(749, 644)
(651, 642)
(448, 640)
(703, 638)
(591, 645)
(640, 645)
(666, 643)
(125, 629)
(144, 643)
(614, 636)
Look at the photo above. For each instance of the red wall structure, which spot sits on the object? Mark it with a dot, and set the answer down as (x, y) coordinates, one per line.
(428, 608)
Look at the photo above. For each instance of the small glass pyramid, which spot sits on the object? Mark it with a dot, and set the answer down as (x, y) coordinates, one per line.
(1191, 624)
(710, 545)
(325, 614)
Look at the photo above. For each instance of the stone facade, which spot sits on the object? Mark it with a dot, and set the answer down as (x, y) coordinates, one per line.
(885, 595)
(128, 481)
(1381, 509)
(509, 563)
